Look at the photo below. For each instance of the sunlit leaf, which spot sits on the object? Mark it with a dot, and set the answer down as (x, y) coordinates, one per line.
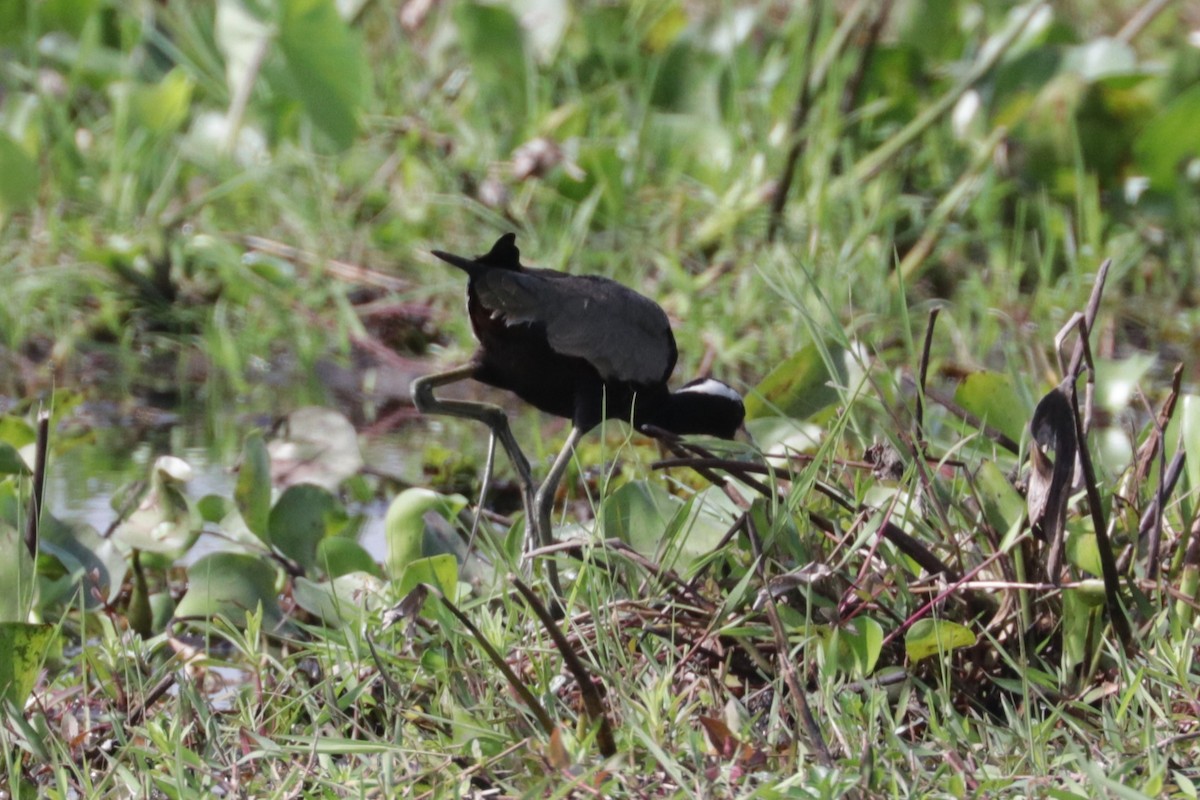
(439, 571)
(163, 107)
(928, 637)
(404, 525)
(162, 520)
(800, 386)
(993, 398)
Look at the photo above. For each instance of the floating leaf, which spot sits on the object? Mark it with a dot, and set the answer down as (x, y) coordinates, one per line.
(318, 446)
(800, 386)
(929, 637)
(992, 397)
(1002, 505)
(230, 585)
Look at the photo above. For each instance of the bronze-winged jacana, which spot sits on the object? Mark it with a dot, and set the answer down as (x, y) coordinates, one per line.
(582, 347)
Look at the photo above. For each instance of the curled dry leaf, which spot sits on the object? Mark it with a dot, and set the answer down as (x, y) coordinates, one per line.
(1052, 428)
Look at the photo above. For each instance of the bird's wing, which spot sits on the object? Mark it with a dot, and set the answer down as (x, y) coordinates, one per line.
(624, 335)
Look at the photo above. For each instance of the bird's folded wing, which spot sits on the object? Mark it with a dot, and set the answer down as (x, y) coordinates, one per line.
(624, 335)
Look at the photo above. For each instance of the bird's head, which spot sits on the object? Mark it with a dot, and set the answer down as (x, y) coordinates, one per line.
(704, 406)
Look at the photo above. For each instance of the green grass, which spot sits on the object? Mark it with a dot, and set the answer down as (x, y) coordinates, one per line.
(123, 216)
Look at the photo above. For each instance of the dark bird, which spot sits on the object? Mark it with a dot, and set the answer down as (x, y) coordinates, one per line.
(576, 346)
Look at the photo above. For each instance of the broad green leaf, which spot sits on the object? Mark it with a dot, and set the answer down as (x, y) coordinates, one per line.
(1003, 506)
(19, 178)
(493, 40)
(16, 576)
(11, 462)
(638, 514)
(1168, 142)
(928, 637)
(993, 398)
(303, 516)
(16, 431)
(404, 525)
(1083, 551)
(854, 648)
(345, 599)
(338, 555)
(327, 65)
(230, 585)
(253, 492)
(800, 386)
(162, 521)
(24, 647)
(1190, 422)
(317, 445)
(163, 107)
(90, 559)
(440, 571)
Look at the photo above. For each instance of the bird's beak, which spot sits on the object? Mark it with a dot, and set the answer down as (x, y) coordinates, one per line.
(458, 261)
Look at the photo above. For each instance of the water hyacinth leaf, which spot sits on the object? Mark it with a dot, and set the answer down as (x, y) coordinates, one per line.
(318, 446)
(24, 647)
(404, 525)
(230, 585)
(19, 177)
(253, 490)
(303, 516)
(86, 556)
(992, 397)
(343, 600)
(801, 385)
(338, 556)
(327, 66)
(928, 637)
(438, 571)
(162, 521)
